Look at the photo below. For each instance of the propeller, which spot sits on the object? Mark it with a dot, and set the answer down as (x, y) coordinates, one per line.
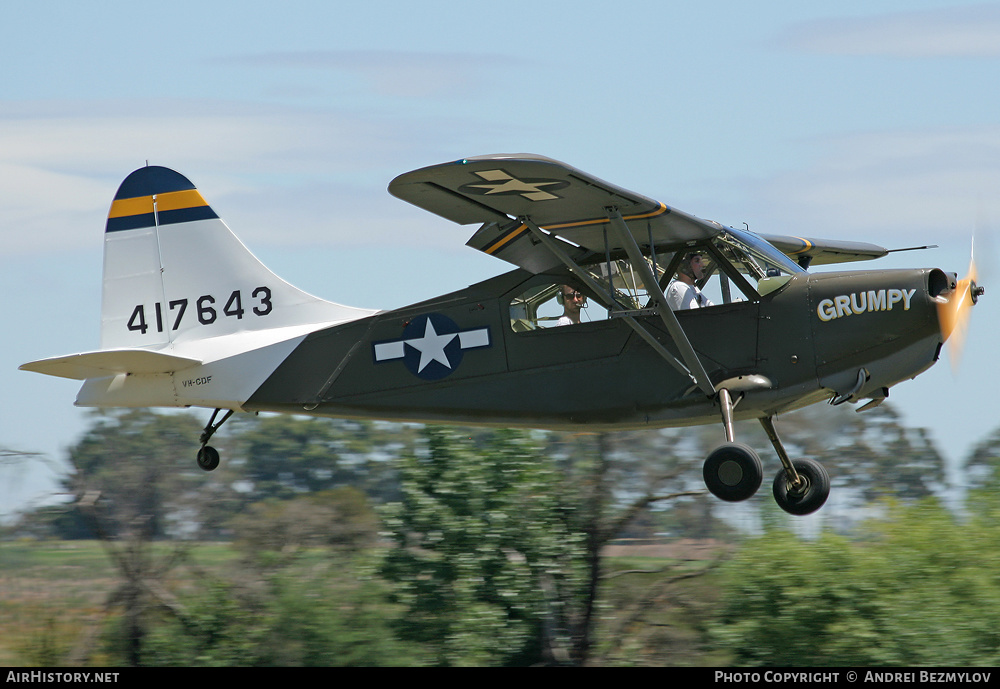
(954, 309)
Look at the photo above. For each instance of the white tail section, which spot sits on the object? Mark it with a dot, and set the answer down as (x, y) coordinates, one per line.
(174, 272)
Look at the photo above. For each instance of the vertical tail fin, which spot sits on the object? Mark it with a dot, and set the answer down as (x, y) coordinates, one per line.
(174, 272)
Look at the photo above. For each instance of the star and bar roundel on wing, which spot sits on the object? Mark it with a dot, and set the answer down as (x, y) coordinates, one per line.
(432, 346)
(501, 183)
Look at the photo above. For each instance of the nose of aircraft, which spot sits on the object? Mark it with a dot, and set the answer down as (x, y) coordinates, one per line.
(954, 303)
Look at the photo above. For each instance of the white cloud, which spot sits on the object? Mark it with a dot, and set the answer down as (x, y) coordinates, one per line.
(317, 175)
(970, 31)
(391, 73)
(94, 136)
(890, 186)
(45, 210)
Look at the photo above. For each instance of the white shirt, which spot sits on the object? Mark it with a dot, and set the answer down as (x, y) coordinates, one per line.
(681, 295)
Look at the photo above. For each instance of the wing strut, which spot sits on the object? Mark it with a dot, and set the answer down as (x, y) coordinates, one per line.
(592, 284)
(662, 307)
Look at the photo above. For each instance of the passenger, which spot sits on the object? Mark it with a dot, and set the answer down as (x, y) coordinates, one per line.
(683, 293)
(572, 301)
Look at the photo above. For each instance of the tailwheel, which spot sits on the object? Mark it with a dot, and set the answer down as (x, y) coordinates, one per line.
(733, 472)
(806, 496)
(208, 458)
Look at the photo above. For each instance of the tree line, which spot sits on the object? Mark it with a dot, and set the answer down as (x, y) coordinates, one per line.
(378, 543)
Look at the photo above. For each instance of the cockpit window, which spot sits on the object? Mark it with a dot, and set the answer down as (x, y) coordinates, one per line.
(626, 287)
(551, 305)
(733, 266)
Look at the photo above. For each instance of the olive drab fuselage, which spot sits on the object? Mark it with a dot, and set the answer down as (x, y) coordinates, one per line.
(601, 374)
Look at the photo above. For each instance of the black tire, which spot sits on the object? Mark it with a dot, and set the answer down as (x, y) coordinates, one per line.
(208, 458)
(733, 472)
(811, 496)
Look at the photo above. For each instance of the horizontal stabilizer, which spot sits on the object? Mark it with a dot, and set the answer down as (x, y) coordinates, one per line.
(109, 362)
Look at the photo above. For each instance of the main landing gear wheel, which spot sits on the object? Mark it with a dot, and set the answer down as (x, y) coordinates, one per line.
(733, 472)
(208, 458)
(809, 495)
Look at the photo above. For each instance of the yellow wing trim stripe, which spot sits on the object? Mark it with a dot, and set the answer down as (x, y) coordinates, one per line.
(806, 246)
(576, 223)
(510, 237)
(600, 221)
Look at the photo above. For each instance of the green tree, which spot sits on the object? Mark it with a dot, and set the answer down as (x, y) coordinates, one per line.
(275, 531)
(137, 469)
(486, 563)
(501, 548)
(313, 611)
(920, 589)
(982, 468)
(129, 488)
(619, 486)
(286, 456)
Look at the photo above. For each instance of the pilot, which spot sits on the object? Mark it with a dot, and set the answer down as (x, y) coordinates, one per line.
(683, 293)
(572, 301)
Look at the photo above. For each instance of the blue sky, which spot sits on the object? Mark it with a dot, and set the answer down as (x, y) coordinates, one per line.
(876, 121)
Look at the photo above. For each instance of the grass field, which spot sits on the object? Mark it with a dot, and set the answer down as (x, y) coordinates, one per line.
(54, 595)
(49, 593)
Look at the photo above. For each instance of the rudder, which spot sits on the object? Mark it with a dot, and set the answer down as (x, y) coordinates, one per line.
(174, 272)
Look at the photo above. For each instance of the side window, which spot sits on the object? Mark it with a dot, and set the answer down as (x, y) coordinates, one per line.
(552, 305)
(696, 282)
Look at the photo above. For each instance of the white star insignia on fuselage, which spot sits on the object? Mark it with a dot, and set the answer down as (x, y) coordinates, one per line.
(431, 346)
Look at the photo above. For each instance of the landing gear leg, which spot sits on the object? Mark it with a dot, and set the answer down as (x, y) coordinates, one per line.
(768, 423)
(208, 456)
(733, 471)
(801, 487)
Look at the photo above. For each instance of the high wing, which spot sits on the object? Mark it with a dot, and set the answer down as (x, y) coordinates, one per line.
(808, 251)
(539, 213)
(501, 191)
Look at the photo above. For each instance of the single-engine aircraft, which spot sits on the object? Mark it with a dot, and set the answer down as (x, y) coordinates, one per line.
(189, 317)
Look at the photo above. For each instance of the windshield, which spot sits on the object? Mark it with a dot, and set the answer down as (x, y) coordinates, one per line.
(753, 256)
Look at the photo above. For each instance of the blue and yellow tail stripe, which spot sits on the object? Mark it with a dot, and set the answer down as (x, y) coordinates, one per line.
(156, 196)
